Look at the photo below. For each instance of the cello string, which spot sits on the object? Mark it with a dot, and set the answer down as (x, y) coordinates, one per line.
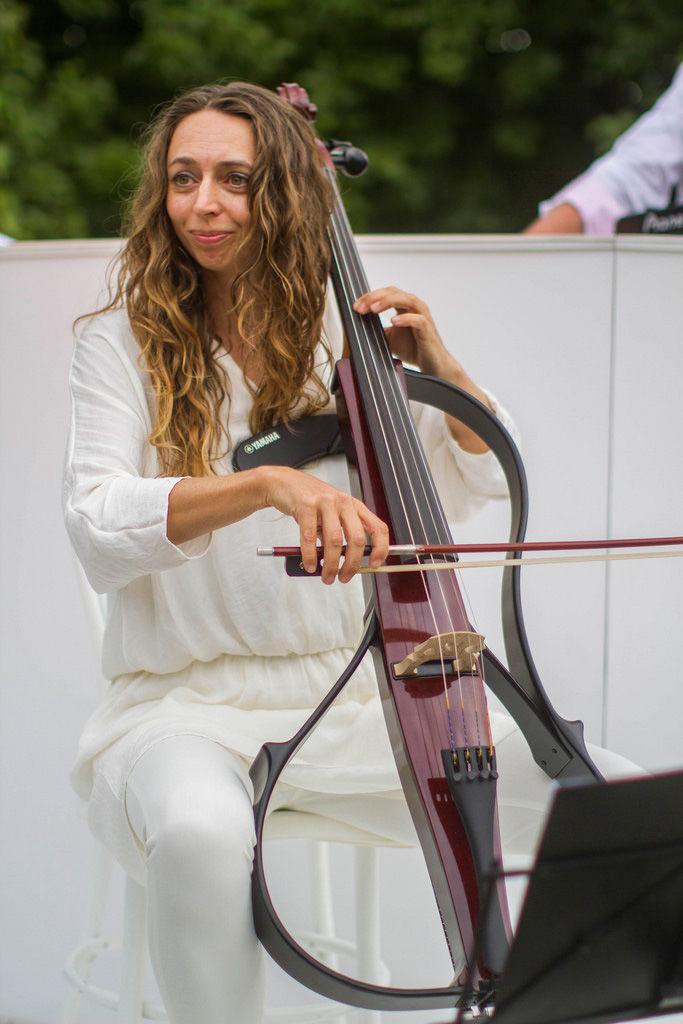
(371, 354)
(379, 355)
(376, 354)
(380, 351)
(361, 286)
(354, 284)
(383, 354)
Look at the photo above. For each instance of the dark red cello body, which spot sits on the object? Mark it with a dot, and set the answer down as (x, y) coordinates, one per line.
(432, 669)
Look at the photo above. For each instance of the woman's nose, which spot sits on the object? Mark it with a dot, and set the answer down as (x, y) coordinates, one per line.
(207, 196)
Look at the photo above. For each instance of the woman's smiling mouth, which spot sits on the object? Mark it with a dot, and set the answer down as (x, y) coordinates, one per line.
(210, 237)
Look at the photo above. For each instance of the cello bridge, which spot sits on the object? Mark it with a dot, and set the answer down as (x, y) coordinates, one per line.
(457, 652)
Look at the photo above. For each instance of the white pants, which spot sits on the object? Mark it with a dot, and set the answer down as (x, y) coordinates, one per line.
(191, 812)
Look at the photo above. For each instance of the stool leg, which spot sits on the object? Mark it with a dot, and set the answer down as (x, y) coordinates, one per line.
(323, 905)
(370, 966)
(133, 954)
(97, 900)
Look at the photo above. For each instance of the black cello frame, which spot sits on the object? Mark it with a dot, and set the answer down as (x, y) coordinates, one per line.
(556, 744)
(368, 385)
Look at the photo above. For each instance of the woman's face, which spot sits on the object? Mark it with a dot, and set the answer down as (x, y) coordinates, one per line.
(209, 161)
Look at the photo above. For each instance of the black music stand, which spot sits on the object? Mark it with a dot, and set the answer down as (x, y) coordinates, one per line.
(600, 935)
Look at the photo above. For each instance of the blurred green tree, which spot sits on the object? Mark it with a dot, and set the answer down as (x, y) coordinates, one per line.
(470, 110)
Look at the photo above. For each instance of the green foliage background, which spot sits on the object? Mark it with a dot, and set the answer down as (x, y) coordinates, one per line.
(470, 110)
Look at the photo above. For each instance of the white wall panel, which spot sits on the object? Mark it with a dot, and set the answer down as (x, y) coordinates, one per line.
(645, 679)
(532, 321)
(541, 323)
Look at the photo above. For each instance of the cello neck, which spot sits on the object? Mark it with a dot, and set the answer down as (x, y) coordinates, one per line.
(414, 507)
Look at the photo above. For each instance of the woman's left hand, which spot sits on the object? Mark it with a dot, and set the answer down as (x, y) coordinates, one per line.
(414, 339)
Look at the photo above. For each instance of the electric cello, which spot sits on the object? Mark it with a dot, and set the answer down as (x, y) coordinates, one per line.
(432, 665)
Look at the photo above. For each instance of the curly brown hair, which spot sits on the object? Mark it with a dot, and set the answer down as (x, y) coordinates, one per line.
(278, 295)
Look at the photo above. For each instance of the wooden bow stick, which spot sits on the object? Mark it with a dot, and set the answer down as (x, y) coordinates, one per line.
(437, 550)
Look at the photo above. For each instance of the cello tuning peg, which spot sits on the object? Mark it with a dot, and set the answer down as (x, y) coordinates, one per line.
(350, 160)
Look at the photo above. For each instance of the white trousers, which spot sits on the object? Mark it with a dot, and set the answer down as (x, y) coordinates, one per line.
(191, 812)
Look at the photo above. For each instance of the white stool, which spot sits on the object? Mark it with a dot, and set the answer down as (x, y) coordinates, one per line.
(129, 1002)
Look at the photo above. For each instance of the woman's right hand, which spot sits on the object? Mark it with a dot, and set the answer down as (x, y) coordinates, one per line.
(333, 517)
(199, 505)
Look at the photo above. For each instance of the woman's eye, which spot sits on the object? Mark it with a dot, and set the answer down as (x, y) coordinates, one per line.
(182, 178)
(237, 180)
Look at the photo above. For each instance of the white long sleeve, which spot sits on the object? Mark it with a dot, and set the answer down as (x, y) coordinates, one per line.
(114, 504)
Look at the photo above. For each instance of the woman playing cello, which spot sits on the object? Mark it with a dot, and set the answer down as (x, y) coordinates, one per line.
(218, 327)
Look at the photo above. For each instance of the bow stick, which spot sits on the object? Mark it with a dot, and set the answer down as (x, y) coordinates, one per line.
(532, 545)
(294, 566)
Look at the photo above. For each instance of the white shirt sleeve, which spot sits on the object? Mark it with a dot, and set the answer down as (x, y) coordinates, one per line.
(466, 482)
(638, 173)
(115, 506)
